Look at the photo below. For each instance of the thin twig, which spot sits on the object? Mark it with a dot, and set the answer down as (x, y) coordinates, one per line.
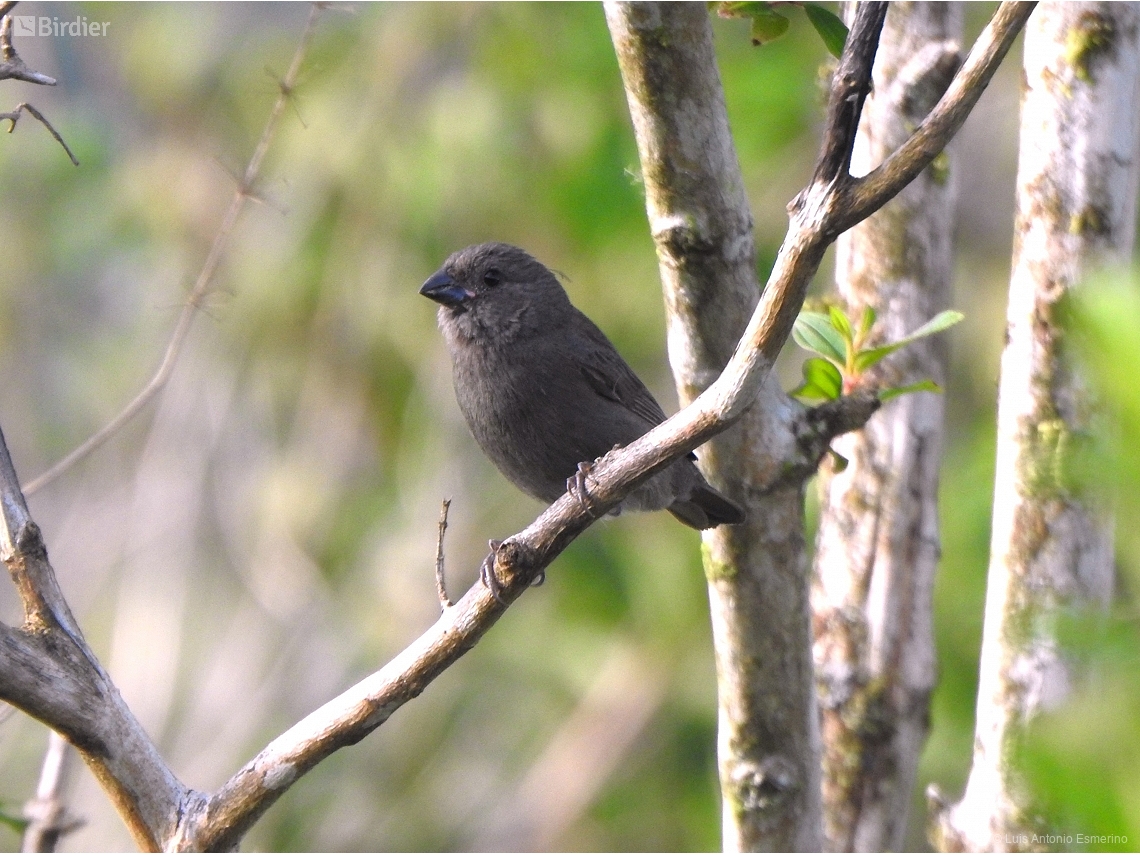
(48, 819)
(205, 279)
(15, 115)
(440, 583)
(14, 68)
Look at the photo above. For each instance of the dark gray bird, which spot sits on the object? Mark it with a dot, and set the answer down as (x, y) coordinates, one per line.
(542, 388)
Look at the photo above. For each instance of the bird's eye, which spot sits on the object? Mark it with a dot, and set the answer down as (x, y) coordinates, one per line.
(492, 277)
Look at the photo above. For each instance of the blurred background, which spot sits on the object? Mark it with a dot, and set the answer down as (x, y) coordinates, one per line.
(264, 534)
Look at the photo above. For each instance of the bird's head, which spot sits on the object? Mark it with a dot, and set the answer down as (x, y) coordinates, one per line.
(498, 289)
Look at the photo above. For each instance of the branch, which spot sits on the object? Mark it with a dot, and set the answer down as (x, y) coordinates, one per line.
(820, 425)
(204, 284)
(48, 671)
(14, 68)
(813, 431)
(850, 86)
(869, 193)
(11, 66)
(14, 116)
(440, 576)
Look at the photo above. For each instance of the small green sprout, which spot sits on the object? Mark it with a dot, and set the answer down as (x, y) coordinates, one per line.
(843, 357)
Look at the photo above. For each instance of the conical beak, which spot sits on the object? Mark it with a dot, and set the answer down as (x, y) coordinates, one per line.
(444, 290)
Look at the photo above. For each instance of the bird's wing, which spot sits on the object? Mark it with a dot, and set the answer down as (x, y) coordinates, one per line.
(611, 377)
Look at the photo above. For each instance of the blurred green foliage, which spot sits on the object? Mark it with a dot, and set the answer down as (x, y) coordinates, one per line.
(264, 536)
(1081, 758)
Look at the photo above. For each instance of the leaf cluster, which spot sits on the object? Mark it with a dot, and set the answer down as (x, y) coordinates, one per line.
(844, 357)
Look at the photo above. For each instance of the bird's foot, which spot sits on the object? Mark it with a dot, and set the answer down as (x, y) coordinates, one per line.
(577, 487)
(487, 572)
(491, 581)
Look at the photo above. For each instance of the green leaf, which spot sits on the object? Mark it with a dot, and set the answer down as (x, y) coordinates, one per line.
(814, 332)
(864, 359)
(822, 381)
(838, 461)
(830, 28)
(811, 393)
(941, 321)
(921, 386)
(840, 322)
(767, 27)
(866, 322)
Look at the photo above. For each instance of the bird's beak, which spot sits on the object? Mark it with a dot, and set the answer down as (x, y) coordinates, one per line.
(444, 290)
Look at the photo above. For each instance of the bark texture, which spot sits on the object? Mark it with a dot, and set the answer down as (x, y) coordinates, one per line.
(877, 548)
(769, 738)
(702, 227)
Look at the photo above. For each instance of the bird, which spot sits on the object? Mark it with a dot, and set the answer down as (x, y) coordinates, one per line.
(544, 391)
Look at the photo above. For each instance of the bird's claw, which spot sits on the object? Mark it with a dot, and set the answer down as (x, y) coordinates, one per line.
(491, 581)
(577, 487)
(487, 572)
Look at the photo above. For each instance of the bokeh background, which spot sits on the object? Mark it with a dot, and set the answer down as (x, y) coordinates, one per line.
(264, 534)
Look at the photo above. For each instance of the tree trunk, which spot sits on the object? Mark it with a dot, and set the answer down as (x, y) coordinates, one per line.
(701, 223)
(1076, 209)
(878, 547)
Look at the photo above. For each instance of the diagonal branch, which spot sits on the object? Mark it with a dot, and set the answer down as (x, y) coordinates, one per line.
(872, 191)
(815, 213)
(14, 117)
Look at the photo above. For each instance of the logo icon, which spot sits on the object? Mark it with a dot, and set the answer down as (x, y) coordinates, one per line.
(24, 25)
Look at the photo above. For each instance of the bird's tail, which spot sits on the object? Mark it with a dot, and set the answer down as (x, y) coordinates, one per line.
(706, 508)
